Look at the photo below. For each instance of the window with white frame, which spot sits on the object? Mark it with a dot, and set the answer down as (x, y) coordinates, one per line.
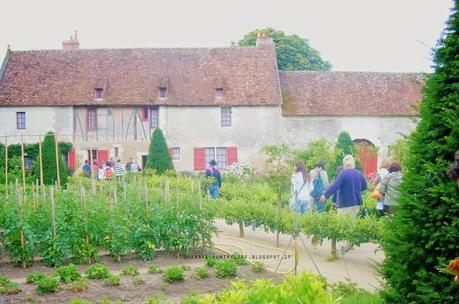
(176, 153)
(221, 157)
(226, 116)
(154, 117)
(218, 154)
(20, 120)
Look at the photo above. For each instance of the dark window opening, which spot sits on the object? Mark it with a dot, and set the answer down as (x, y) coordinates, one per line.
(219, 92)
(162, 92)
(28, 162)
(99, 93)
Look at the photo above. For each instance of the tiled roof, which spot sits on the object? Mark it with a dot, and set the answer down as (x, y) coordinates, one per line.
(133, 76)
(350, 93)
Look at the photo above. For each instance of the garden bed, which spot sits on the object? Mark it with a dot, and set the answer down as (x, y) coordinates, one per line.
(153, 286)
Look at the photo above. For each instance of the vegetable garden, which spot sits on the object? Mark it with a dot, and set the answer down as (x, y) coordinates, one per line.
(147, 215)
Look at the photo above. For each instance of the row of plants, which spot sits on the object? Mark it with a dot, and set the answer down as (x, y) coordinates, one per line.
(304, 288)
(146, 213)
(77, 223)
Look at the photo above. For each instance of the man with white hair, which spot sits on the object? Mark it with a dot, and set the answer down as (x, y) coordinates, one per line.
(347, 187)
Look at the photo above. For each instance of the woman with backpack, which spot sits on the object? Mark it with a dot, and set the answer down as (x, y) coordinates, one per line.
(213, 171)
(319, 184)
(301, 186)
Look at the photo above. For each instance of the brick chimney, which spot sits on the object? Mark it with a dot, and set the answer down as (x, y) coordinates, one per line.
(72, 44)
(264, 40)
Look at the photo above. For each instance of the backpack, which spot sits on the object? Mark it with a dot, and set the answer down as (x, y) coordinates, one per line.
(317, 187)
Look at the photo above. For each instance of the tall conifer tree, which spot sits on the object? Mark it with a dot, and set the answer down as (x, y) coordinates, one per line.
(158, 153)
(424, 233)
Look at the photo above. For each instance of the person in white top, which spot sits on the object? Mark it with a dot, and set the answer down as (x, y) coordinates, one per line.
(301, 187)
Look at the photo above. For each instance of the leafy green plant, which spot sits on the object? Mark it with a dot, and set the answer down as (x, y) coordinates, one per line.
(191, 298)
(81, 301)
(7, 286)
(226, 269)
(112, 280)
(83, 253)
(77, 285)
(130, 270)
(154, 268)
(97, 271)
(48, 284)
(239, 259)
(258, 267)
(68, 273)
(210, 260)
(202, 272)
(34, 277)
(174, 274)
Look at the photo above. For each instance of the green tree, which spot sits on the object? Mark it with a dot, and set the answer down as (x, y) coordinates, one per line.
(343, 147)
(317, 151)
(293, 52)
(49, 162)
(423, 234)
(158, 153)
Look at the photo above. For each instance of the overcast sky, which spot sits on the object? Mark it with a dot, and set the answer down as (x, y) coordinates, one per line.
(354, 35)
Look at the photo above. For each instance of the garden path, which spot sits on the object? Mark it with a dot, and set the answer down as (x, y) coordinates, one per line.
(361, 261)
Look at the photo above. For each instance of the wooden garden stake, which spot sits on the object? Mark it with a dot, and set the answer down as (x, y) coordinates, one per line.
(168, 191)
(146, 196)
(23, 164)
(241, 229)
(53, 211)
(278, 215)
(91, 160)
(125, 190)
(115, 197)
(33, 196)
(40, 158)
(20, 198)
(200, 195)
(6, 166)
(57, 161)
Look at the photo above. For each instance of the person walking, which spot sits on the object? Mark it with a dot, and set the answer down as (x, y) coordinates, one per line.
(87, 169)
(134, 167)
(213, 172)
(320, 182)
(128, 165)
(301, 186)
(348, 184)
(119, 170)
(389, 187)
(380, 175)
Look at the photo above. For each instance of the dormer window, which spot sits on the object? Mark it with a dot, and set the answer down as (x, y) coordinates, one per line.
(99, 92)
(162, 92)
(219, 92)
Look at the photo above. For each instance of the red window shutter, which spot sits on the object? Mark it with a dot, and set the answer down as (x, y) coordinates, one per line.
(231, 155)
(199, 158)
(170, 151)
(102, 156)
(71, 159)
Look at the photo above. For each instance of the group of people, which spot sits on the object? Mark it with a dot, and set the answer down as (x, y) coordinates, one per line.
(310, 190)
(108, 170)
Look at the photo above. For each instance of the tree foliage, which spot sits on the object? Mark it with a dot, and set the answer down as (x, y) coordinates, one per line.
(343, 147)
(423, 235)
(317, 151)
(49, 161)
(158, 154)
(293, 52)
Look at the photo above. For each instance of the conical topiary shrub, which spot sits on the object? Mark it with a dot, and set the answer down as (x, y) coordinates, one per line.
(158, 154)
(49, 162)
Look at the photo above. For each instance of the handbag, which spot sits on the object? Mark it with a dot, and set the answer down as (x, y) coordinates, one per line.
(376, 194)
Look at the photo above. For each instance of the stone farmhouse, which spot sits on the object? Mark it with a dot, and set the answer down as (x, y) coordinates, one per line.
(211, 103)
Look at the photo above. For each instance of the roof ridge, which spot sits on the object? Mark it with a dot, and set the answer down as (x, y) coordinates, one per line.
(351, 72)
(140, 48)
